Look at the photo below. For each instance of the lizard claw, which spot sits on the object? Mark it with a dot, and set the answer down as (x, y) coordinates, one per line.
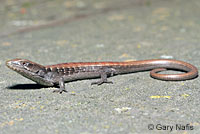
(60, 91)
(101, 82)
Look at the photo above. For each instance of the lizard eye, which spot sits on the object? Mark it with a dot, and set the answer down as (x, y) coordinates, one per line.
(25, 64)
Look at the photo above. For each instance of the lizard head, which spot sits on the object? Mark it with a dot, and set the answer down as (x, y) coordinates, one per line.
(22, 65)
(29, 70)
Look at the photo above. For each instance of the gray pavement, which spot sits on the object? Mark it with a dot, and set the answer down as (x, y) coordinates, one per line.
(100, 31)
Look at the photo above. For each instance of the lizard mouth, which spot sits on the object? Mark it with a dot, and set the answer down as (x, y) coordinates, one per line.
(14, 65)
(9, 64)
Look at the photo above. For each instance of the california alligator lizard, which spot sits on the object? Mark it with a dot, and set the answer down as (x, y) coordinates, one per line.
(60, 73)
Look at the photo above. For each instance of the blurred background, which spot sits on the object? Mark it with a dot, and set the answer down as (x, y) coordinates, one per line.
(17, 14)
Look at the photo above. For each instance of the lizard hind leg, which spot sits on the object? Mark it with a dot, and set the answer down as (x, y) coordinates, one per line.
(104, 73)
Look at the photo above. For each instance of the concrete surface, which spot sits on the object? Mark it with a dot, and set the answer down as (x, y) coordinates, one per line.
(105, 31)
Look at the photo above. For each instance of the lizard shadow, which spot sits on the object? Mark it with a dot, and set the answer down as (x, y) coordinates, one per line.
(26, 87)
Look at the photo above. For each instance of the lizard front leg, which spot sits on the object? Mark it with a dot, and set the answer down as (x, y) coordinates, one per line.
(61, 85)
